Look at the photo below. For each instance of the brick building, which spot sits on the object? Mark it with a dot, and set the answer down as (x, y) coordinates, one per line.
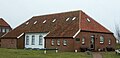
(67, 31)
(4, 28)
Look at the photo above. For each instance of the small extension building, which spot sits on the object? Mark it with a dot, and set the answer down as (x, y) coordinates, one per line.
(67, 31)
(4, 28)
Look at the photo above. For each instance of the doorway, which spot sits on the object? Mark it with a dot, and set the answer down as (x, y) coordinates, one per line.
(92, 42)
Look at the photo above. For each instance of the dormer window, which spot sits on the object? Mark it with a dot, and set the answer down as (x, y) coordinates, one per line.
(74, 18)
(44, 21)
(67, 19)
(27, 23)
(54, 20)
(88, 19)
(35, 22)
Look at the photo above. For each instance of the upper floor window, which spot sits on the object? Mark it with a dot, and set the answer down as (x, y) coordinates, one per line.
(7, 30)
(33, 40)
(58, 42)
(40, 40)
(101, 39)
(65, 42)
(27, 40)
(83, 40)
(52, 43)
(109, 41)
(3, 30)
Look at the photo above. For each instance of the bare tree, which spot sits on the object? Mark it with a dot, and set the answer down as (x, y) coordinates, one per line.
(117, 28)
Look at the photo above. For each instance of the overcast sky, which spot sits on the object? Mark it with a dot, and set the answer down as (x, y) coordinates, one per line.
(15, 12)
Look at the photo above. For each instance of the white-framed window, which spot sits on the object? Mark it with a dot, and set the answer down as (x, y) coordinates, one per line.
(33, 40)
(7, 30)
(27, 23)
(40, 40)
(109, 41)
(27, 40)
(3, 30)
(73, 18)
(88, 19)
(52, 42)
(35, 22)
(64, 42)
(83, 40)
(54, 20)
(101, 39)
(58, 42)
(67, 19)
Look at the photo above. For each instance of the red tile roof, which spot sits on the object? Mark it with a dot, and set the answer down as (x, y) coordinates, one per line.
(3, 23)
(59, 28)
(92, 25)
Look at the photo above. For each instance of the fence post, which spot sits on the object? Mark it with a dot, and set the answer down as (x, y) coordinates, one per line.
(56, 50)
(45, 51)
(76, 51)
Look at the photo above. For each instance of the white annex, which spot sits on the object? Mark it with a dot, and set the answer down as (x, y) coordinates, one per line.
(35, 40)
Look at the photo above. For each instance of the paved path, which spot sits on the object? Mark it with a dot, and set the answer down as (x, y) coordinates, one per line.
(96, 55)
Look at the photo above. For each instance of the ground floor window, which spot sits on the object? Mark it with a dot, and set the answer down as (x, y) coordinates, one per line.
(83, 40)
(40, 40)
(58, 42)
(65, 42)
(109, 41)
(52, 43)
(101, 39)
(33, 40)
(27, 40)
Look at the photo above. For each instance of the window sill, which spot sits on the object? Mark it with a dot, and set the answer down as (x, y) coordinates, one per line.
(64, 45)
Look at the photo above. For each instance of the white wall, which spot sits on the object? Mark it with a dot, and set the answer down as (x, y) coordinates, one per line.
(36, 40)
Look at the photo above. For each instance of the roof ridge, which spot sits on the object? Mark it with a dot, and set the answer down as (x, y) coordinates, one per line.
(48, 14)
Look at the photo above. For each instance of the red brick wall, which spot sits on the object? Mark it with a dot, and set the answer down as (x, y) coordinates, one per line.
(68, 47)
(88, 35)
(8, 43)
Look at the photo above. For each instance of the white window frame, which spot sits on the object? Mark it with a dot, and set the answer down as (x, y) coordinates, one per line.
(83, 40)
(33, 40)
(64, 42)
(3, 30)
(58, 42)
(101, 39)
(40, 40)
(52, 42)
(27, 40)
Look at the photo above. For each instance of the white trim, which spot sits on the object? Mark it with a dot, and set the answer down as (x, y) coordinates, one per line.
(4, 34)
(76, 33)
(20, 35)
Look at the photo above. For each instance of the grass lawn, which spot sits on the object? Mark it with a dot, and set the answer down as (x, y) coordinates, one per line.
(110, 55)
(21, 53)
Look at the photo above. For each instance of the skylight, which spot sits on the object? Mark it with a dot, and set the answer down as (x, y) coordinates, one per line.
(74, 18)
(54, 20)
(35, 22)
(67, 19)
(88, 19)
(27, 23)
(44, 21)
